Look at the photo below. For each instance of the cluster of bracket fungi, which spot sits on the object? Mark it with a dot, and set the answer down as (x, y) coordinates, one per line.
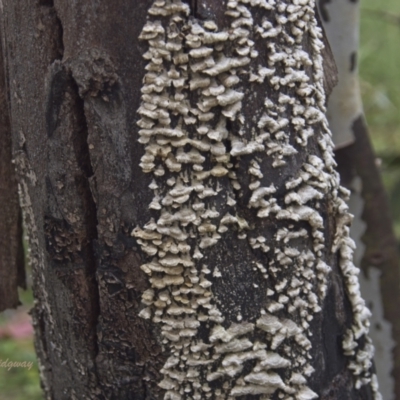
(196, 82)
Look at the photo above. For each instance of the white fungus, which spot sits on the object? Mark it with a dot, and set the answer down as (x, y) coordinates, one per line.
(184, 134)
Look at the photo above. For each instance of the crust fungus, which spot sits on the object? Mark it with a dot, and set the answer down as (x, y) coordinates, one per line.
(193, 88)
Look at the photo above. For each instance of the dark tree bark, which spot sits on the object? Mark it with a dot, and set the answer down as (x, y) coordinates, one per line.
(187, 231)
(12, 272)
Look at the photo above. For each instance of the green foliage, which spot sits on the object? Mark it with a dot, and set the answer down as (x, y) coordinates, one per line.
(19, 383)
(380, 85)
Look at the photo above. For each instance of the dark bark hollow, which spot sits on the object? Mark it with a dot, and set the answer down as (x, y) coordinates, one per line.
(187, 230)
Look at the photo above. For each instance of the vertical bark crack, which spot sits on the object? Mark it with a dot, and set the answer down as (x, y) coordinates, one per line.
(71, 215)
(52, 23)
(193, 7)
(82, 154)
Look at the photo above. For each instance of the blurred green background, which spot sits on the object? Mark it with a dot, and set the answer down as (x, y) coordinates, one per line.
(380, 84)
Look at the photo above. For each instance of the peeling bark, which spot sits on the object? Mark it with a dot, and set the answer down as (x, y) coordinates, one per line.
(261, 260)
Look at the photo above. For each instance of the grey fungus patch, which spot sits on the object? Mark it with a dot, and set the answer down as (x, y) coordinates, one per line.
(193, 93)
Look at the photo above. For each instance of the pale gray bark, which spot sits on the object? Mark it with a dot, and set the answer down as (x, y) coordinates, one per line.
(377, 249)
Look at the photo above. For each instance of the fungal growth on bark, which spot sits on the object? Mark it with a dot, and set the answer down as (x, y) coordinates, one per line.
(224, 181)
(345, 113)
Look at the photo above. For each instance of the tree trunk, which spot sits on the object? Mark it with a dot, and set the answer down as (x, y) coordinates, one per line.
(188, 235)
(377, 255)
(12, 273)
(377, 250)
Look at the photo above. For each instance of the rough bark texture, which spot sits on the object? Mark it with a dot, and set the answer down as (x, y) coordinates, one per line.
(76, 71)
(79, 193)
(12, 272)
(381, 249)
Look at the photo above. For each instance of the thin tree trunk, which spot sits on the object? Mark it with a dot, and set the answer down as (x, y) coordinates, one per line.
(188, 234)
(377, 250)
(378, 253)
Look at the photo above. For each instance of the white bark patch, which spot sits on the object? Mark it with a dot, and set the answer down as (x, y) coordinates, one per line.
(381, 329)
(344, 107)
(185, 151)
(344, 104)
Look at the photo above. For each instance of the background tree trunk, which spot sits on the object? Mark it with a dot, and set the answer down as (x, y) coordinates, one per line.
(161, 271)
(377, 253)
(377, 250)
